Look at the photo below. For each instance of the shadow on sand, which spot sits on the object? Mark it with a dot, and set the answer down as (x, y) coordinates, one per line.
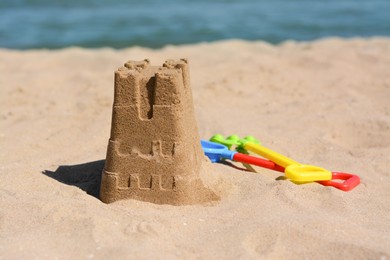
(86, 176)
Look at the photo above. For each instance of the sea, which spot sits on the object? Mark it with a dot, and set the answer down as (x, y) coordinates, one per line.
(53, 24)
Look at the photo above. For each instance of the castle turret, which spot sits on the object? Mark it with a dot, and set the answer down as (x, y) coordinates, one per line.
(154, 151)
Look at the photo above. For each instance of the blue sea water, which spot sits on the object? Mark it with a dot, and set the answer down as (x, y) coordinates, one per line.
(26, 24)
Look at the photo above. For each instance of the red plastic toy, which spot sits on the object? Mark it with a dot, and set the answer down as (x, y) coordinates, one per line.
(350, 181)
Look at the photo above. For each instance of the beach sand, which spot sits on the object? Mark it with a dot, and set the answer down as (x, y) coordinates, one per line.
(325, 103)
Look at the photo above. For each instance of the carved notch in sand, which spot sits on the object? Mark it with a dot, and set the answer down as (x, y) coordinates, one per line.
(154, 152)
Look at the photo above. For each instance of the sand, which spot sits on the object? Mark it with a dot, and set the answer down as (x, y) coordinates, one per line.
(324, 103)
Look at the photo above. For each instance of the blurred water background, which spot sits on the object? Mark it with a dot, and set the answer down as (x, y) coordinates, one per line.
(26, 24)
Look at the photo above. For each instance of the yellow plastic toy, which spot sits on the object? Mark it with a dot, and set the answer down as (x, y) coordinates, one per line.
(294, 171)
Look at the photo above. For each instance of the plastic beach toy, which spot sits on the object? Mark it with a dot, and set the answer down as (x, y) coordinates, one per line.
(215, 152)
(295, 171)
(348, 181)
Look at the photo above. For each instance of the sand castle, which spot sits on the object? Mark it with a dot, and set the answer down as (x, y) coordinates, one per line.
(154, 153)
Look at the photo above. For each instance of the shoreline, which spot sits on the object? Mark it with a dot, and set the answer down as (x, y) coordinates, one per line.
(216, 42)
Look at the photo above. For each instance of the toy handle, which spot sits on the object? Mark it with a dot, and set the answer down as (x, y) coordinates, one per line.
(278, 158)
(240, 157)
(350, 181)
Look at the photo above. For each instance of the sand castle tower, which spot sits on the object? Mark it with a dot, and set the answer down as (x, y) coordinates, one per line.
(154, 153)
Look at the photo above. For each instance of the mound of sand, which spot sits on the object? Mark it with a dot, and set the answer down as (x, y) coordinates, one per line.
(325, 103)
